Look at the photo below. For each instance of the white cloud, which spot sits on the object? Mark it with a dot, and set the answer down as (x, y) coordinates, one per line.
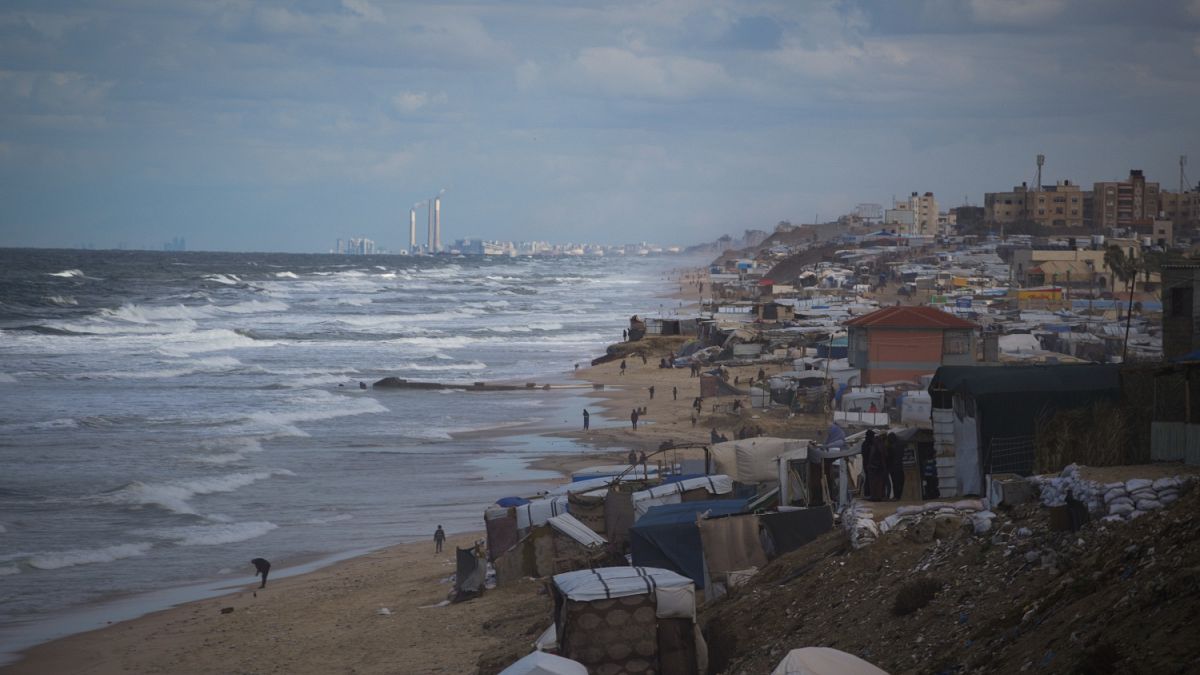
(1016, 12)
(412, 101)
(528, 75)
(620, 72)
(841, 59)
(364, 9)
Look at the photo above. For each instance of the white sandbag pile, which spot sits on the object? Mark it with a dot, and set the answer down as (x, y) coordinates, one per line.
(859, 521)
(1122, 500)
(974, 511)
(1138, 496)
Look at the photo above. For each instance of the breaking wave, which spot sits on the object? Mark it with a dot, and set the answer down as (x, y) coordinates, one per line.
(66, 274)
(61, 559)
(212, 535)
(174, 496)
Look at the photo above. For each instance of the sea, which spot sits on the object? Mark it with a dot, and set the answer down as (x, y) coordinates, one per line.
(165, 417)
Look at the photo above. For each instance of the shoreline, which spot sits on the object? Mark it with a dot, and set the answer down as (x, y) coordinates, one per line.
(129, 622)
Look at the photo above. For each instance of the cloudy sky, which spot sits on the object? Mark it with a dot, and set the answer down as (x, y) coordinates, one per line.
(282, 126)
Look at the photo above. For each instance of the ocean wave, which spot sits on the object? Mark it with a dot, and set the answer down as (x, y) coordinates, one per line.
(66, 274)
(5, 378)
(174, 496)
(331, 519)
(473, 366)
(212, 535)
(60, 559)
(315, 406)
(6, 570)
(286, 275)
(61, 300)
(227, 279)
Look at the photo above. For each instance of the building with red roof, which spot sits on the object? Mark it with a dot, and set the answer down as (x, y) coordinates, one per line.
(903, 343)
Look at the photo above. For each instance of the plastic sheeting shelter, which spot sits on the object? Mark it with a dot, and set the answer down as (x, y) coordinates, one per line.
(628, 620)
(753, 460)
(541, 663)
(668, 537)
(824, 661)
(674, 493)
(470, 575)
(511, 517)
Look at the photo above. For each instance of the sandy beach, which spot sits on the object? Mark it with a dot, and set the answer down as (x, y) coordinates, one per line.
(332, 620)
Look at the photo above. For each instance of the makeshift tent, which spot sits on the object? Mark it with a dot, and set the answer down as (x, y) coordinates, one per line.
(730, 544)
(561, 545)
(789, 529)
(682, 491)
(667, 536)
(470, 574)
(824, 661)
(541, 663)
(506, 523)
(995, 411)
(752, 460)
(589, 485)
(792, 476)
(628, 620)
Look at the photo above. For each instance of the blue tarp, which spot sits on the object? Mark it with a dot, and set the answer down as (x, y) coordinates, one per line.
(511, 501)
(667, 536)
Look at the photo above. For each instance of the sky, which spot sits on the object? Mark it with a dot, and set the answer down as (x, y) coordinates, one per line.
(265, 126)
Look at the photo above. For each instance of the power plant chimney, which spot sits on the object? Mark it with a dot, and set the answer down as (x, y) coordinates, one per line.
(429, 244)
(412, 230)
(437, 223)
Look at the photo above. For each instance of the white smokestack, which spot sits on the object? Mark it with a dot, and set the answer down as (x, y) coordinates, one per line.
(437, 223)
(429, 242)
(412, 230)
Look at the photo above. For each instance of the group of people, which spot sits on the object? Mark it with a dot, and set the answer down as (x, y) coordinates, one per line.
(883, 464)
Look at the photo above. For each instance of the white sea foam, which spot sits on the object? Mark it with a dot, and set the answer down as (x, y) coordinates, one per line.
(286, 275)
(329, 519)
(174, 496)
(251, 307)
(60, 559)
(220, 459)
(5, 378)
(62, 300)
(66, 274)
(6, 570)
(472, 366)
(212, 535)
(227, 279)
(315, 405)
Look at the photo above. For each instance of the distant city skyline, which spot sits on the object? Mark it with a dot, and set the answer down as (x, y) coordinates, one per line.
(283, 126)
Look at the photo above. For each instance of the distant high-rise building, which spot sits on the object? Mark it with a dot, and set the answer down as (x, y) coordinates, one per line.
(917, 216)
(1125, 204)
(1057, 206)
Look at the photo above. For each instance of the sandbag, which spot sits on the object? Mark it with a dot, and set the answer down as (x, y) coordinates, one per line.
(1114, 493)
(1149, 504)
(1120, 509)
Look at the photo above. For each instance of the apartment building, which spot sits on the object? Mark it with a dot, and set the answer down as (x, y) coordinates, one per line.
(1058, 206)
(1125, 203)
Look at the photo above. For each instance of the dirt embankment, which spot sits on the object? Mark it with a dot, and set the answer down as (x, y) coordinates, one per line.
(1111, 598)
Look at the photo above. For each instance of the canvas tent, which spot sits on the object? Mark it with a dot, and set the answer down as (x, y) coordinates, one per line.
(628, 620)
(510, 518)
(681, 491)
(824, 661)
(752, 460)
(541, 663)
(562, 544)
(668, 537)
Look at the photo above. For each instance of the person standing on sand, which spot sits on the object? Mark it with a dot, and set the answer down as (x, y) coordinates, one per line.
(622, 366)
(261, 568)
(587, 419)
(625, 335)
(674, 393)
(651, 392)
(632, 457)
(439, 538)
(633, 418)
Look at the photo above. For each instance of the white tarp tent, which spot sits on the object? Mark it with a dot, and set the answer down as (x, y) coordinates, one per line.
(536, 512)
(675, 596)
(541, 663)
(669, 493)
(753, 460)
(573, 528)
(589, 485)
(824, 661)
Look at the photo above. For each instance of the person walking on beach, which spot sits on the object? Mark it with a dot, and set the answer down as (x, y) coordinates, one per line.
(587, 419)
(651, 392)
(261, 567)
(633, 418)
(622, 366)
(674, 393)
(439, 538)
(632, 457)
(625, 335)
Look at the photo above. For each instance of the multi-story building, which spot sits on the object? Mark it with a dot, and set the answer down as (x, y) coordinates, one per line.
(1058, 206)
(904, 343)
(1182, 209)
(917, 216)
(1126, 203)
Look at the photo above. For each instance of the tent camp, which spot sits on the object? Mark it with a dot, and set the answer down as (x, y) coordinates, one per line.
(824, 661)
(692, 489)
(753, 460)
(984, 418)
(470, 574)
(628, 620)
(562, 544)
(510, 518)
(668, 537)
(541, 663)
